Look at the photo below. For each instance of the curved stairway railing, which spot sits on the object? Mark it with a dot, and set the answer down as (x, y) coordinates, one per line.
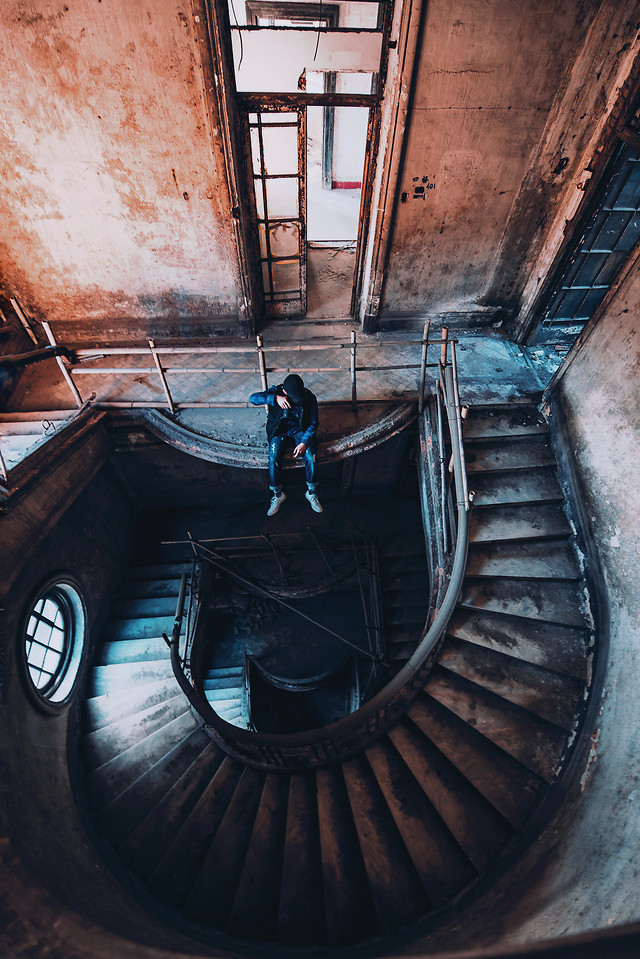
(347, 736)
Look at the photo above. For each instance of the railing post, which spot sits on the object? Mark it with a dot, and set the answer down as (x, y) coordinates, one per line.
(456, 397)
(65, 372)
(423, 365)
(163, 378)
(354, 393)
(261, 362)
(443, 351)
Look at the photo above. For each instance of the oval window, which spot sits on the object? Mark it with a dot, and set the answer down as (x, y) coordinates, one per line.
(54, 641)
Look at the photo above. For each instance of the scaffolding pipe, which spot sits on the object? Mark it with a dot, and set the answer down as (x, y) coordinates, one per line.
(354, 394)
(67, 375)
(423, 365)
(163, 378)
(261, 362)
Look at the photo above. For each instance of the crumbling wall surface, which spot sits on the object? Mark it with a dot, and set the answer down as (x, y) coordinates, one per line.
(114, 209)
(509, 99)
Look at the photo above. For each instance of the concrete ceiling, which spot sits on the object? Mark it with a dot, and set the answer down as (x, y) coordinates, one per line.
(115, 213)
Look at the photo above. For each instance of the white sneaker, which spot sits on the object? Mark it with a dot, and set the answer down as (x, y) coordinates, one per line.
(276, 502)
(314, 502)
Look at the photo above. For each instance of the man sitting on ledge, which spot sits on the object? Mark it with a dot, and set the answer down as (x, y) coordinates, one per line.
(292, 415)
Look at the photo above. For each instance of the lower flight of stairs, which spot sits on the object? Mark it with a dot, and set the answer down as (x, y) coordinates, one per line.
(359, 849)
(223, 688)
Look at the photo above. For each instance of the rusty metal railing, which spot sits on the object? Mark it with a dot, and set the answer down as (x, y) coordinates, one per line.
(165, 371)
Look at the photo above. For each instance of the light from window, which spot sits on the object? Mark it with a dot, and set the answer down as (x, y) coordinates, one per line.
(54, 640)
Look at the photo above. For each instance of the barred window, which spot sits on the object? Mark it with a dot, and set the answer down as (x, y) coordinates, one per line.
(54, 640)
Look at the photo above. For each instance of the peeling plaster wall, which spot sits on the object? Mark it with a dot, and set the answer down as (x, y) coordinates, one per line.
(506, 97)
(113, 208)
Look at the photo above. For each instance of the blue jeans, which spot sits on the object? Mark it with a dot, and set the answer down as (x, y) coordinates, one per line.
(276, 454)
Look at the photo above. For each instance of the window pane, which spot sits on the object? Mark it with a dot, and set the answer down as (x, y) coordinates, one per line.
(42, 633)
(286, 276)
(37, 654)
(280, 150)
(282, 198)
(284, 239)
(51, 661)
(50, 609)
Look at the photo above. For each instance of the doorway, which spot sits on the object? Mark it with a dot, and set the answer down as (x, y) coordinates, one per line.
(307, 76)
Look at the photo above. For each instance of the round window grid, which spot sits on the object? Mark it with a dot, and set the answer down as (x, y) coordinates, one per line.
(53, 643)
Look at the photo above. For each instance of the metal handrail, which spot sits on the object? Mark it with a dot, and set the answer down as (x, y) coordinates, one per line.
(348, 735)
(84, 356)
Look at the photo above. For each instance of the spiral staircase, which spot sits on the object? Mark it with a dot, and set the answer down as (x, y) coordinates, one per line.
(365, 847)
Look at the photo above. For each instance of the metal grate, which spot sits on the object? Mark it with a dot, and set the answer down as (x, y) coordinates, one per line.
(610, 233)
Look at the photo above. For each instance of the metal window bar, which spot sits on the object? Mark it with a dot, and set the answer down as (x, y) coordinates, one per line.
(613, 227)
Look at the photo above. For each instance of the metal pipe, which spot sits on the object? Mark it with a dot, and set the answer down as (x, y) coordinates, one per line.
(443, 350)
(86, 354)
(220, 562)
(443, 484)
(261, 362)
(423, 365)
(354, 395)
(23, 320)
(163, 378)
(67, 375)
(115, 370)
(456, 397)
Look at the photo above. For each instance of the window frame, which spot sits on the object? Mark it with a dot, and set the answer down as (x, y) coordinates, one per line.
(56, 695)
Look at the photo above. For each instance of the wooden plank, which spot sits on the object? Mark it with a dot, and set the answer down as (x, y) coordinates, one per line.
(349, 910)
(543, 559)
(254, 913)
(561, 648)
(506, 784)
(442, 866)
(301, 919)
(395, 886)
(550, 601)
(534, 742)
(174, 874)
(495, 523)
(478, 828)
(553, 696)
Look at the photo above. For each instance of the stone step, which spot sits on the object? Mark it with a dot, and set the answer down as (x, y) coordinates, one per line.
(543, 559)
(516, 486)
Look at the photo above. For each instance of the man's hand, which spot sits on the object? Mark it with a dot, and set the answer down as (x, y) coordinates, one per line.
(283, 401)
(300, 450)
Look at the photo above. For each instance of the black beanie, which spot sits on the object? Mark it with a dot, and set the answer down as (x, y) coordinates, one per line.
(294, 387)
